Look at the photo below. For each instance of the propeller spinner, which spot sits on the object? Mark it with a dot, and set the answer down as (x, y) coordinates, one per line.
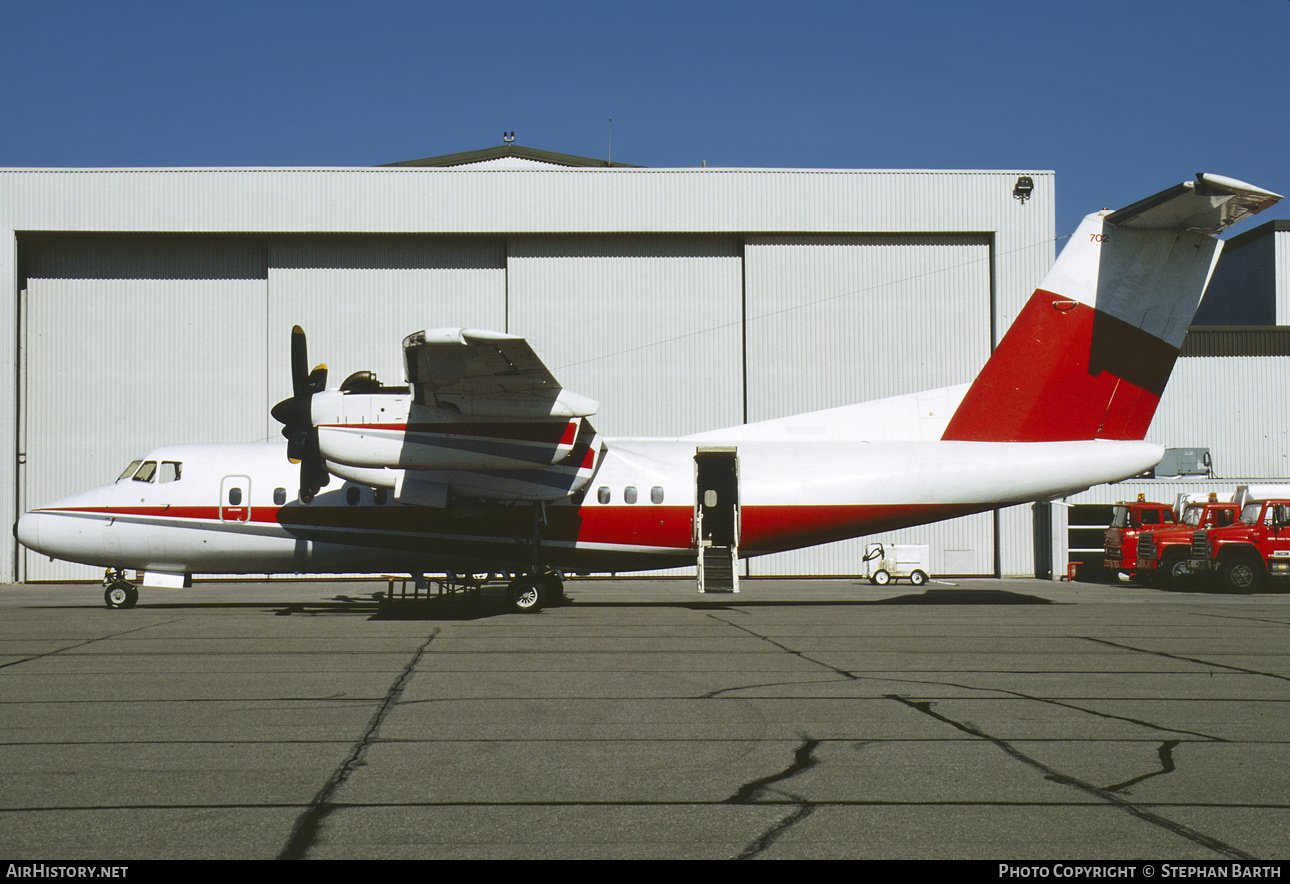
(295, 414)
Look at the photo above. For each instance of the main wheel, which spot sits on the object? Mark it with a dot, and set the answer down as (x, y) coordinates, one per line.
(526, 595)
(918, 578)
(120, 595)
(553, 588)
(1241, 574)
(880, 578)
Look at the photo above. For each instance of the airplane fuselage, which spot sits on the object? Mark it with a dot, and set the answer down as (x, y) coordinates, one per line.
(234, 509)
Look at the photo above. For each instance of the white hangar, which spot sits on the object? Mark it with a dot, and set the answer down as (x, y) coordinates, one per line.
(154, 306)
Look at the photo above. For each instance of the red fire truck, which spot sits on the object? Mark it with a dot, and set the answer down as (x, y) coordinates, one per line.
(1128, 520)
(1246, 554)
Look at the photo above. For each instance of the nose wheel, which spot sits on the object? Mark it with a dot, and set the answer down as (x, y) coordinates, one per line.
(119, 592)
(121, 595)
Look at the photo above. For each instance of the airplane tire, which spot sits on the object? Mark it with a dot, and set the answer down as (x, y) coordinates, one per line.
(120, 595)
(553, 588)
(880, 578)
(526, 596)
(918, 578)
(1241, 574)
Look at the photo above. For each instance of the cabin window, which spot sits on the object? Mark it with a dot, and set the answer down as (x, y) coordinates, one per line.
(170, 471)
(130, 470)
(147, 472)
(234, 496)
(603, 494)
(351, 495)
(656, 494)
(279, 496)
(710, 497)
(629, 494)
(380, 495)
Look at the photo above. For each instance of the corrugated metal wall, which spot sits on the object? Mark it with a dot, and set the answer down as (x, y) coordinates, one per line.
(834, 320)
(1233, 405)
(648, 322)
(133, 342)
(649, 326)
(357, 297)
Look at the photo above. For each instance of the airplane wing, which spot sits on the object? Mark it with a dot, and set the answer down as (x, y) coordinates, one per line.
(479, 372)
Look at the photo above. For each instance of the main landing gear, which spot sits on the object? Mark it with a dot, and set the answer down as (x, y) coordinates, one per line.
(529, 593)
(119, 592)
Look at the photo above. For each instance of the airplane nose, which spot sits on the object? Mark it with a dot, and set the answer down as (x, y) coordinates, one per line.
(27, 530)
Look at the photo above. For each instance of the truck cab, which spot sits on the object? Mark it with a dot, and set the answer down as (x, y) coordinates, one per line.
(1128, 520)
(1246, 554)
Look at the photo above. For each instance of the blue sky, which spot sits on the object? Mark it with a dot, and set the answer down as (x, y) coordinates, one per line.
(1120, 99)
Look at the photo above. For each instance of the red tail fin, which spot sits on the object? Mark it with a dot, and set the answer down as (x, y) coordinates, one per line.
(1089, 355)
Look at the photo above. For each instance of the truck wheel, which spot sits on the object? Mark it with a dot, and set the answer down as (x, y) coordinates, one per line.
(1241, 574)
(1173, 569)
(880, 578)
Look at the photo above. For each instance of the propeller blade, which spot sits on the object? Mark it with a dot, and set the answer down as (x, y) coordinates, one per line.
(296, 416)
(299, 361)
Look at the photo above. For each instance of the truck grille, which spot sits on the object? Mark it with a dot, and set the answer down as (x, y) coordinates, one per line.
(1200, 545)
(1146, 547)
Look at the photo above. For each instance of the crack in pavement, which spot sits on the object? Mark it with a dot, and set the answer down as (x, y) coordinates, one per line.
(307, 825)
(88, 641)
(803, 760)
(853, 677)
(1197, 660)
(1166, 753)
(1063, 704)
(1056, 776)
(747, 793)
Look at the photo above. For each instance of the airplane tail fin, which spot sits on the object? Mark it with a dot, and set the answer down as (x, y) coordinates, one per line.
(1089, 354)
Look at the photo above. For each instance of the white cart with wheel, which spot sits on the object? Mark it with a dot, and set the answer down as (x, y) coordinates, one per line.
(885, 562)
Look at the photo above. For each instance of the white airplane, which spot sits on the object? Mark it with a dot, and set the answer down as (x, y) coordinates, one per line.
(484, 464)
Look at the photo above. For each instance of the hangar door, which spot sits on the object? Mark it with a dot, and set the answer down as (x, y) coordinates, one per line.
(129, 342)
(134, 341)
(834, 320)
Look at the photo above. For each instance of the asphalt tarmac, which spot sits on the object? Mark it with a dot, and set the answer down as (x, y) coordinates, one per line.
(825, 719)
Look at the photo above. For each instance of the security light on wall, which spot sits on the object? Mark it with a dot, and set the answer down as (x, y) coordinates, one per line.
(1023, 188)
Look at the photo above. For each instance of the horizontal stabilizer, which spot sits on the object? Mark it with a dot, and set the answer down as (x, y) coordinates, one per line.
(1210, 204)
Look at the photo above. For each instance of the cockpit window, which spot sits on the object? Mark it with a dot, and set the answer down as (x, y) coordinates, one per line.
(148, 471)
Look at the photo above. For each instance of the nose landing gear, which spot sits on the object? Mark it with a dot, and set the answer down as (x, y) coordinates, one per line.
(119, 592)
